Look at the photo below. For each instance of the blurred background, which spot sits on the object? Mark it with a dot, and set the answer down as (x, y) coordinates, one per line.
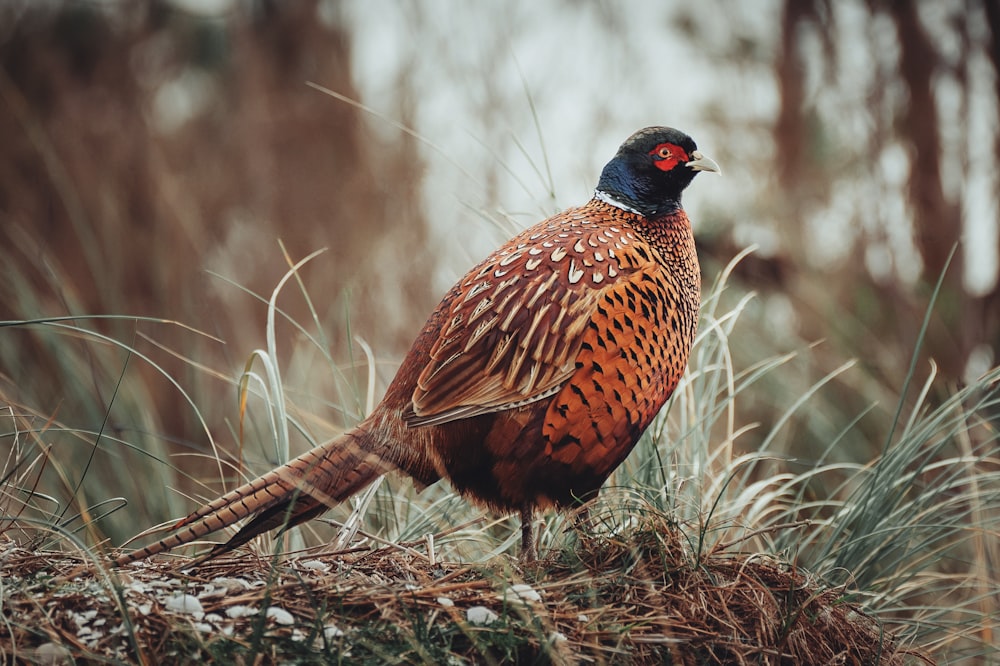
(153, 155)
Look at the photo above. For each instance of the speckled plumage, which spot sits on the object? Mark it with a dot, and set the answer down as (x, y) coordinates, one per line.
(536, 374)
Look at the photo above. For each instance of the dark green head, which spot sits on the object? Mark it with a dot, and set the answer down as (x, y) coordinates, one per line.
(651, 169)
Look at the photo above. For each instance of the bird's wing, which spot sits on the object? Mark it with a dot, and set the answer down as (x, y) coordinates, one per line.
(515, 324)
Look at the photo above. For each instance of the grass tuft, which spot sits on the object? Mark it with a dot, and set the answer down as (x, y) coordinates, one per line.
(712, 542)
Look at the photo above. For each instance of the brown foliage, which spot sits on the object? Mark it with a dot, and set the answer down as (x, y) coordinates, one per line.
(111, 205)
(640, 599)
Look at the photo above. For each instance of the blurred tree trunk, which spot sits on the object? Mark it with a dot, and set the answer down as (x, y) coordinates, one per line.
(988, 305)
(938, 224)
(791, 134)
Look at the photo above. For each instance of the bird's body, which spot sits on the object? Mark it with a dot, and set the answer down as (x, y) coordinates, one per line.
(536, 374)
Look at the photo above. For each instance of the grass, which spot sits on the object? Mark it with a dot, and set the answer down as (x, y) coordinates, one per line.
(890, 557)
(639, 597)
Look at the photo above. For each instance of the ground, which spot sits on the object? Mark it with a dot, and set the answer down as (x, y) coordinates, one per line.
(644, 599)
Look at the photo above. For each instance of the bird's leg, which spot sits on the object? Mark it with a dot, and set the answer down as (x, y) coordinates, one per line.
(528, 553)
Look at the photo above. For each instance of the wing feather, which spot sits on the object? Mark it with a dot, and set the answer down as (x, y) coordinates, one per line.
(517, 323)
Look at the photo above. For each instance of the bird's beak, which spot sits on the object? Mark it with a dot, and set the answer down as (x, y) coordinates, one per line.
(702, 163)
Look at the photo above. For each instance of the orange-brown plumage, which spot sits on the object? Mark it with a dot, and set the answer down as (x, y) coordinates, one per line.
(536, 374)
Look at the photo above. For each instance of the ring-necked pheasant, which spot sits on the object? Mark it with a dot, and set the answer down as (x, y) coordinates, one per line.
(537, 373)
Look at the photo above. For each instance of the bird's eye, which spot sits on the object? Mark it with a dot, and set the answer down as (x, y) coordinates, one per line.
(663, 152)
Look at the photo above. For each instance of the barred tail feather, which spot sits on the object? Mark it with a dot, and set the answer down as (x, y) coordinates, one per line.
(286, 496)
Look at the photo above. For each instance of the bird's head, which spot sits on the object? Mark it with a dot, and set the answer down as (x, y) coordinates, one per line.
(651, 169)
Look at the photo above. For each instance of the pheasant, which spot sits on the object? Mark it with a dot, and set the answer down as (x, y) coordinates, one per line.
(534, 377)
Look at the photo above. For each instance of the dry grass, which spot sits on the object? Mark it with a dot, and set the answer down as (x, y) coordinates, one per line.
(639, 598)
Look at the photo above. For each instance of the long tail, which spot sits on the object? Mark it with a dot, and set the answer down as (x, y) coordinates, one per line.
(286, 496)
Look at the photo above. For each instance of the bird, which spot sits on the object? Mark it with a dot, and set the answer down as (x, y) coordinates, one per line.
(533, 378)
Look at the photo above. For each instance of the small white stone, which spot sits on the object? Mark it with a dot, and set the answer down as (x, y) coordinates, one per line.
(203, 627)
(52, 654)
(521, 592)
(582, 618)
(315, 565)
(558, 637)
(279, 615)
(184, 603)
(212, 592)
(231, 585)
(332, 631)
(238, 611)
(212, 617)
(446, 602)
(481, 615)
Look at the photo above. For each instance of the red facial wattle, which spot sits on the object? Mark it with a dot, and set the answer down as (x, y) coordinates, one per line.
(667, 155)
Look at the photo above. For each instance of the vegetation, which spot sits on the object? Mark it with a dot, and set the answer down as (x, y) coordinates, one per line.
(695, 553)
